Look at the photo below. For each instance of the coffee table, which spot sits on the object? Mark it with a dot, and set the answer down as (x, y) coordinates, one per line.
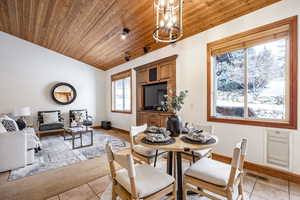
(76, 133)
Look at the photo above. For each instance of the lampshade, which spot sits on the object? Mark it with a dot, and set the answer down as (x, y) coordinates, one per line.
(25, 111)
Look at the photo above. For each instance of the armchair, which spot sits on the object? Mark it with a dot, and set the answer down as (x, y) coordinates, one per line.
(57, 125)
(81, 117)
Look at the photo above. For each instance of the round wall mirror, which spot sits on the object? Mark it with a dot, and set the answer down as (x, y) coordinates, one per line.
(63, 93)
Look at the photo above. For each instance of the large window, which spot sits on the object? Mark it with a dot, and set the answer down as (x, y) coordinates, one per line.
(253, 77)
(121, 92)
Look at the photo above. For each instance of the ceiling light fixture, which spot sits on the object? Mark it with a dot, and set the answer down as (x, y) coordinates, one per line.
(146, 49)
(125, 33)
(127, 56)
(168, 20)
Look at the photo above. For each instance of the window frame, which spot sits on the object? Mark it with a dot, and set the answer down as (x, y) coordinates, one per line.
(237, 40)
(120, 76)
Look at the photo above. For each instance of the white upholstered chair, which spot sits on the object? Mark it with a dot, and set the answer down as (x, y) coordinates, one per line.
(140, 181)
(218, 177)
(145, 154)
(197, 155)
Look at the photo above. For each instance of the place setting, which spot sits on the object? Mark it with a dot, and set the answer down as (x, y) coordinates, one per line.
(196, 135)
(158, 135)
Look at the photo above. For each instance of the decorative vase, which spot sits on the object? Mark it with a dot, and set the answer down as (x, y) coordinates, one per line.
(174, 125)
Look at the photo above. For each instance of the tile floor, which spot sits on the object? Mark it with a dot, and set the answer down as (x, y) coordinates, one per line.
(256, 188)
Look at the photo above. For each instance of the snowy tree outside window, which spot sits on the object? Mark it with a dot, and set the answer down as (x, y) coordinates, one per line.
(252, 82)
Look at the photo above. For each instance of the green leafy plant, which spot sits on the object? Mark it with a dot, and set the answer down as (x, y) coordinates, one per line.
(175, 103)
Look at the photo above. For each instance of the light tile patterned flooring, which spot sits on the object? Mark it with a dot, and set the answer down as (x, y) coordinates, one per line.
(256, 188)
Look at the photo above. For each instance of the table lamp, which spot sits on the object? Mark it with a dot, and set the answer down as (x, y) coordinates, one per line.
(23, 113)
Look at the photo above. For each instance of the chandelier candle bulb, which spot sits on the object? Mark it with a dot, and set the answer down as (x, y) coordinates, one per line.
(168, 20)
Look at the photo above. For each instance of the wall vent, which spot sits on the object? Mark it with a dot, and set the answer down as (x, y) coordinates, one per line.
(278, 148)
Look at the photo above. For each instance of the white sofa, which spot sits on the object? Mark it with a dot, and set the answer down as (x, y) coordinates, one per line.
(17, 149)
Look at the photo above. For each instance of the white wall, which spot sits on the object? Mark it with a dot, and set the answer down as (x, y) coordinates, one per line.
(28, 72)
(191, 75)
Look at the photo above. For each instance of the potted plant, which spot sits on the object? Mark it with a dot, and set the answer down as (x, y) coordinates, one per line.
(174, 104)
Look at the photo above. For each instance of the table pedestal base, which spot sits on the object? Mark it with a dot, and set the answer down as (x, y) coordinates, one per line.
(174, 168)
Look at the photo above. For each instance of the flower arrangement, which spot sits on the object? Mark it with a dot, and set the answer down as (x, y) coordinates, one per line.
(175, 103)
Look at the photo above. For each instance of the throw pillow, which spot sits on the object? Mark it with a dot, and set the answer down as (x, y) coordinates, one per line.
(9, 125)
(51, 117)
(79, 116)
(21, 124)
(5, 117)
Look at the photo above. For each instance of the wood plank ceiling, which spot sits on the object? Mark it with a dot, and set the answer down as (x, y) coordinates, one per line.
(89, 30)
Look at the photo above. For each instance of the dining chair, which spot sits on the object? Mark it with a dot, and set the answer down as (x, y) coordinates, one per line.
(193, 156)
(217, 177)
(141, 152)
(141, 181)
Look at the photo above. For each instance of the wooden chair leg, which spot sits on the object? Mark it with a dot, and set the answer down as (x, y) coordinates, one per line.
(174, 190)
(155, 159)
(229, 194)
(113, 193)
(241, 189)
(184, 190)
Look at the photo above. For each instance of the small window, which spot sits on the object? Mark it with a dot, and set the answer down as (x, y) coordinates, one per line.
(121, 92)
(253, 77)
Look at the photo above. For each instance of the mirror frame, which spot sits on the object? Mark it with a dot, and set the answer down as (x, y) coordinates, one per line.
(63, 84)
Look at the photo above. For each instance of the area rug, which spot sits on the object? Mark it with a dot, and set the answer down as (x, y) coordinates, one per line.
(57, 152)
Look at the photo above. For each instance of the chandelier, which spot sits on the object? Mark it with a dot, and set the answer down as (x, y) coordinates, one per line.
(168, 20)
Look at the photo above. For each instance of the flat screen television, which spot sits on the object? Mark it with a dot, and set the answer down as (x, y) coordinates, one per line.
(154, 95)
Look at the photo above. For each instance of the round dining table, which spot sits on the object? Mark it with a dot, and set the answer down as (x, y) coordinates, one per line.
(174, 160)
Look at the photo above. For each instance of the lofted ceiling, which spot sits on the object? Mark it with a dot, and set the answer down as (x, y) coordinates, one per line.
(89, 30)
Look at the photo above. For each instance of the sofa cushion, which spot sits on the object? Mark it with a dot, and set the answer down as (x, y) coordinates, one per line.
(210, 171)
(51, 126)
(149, 180)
